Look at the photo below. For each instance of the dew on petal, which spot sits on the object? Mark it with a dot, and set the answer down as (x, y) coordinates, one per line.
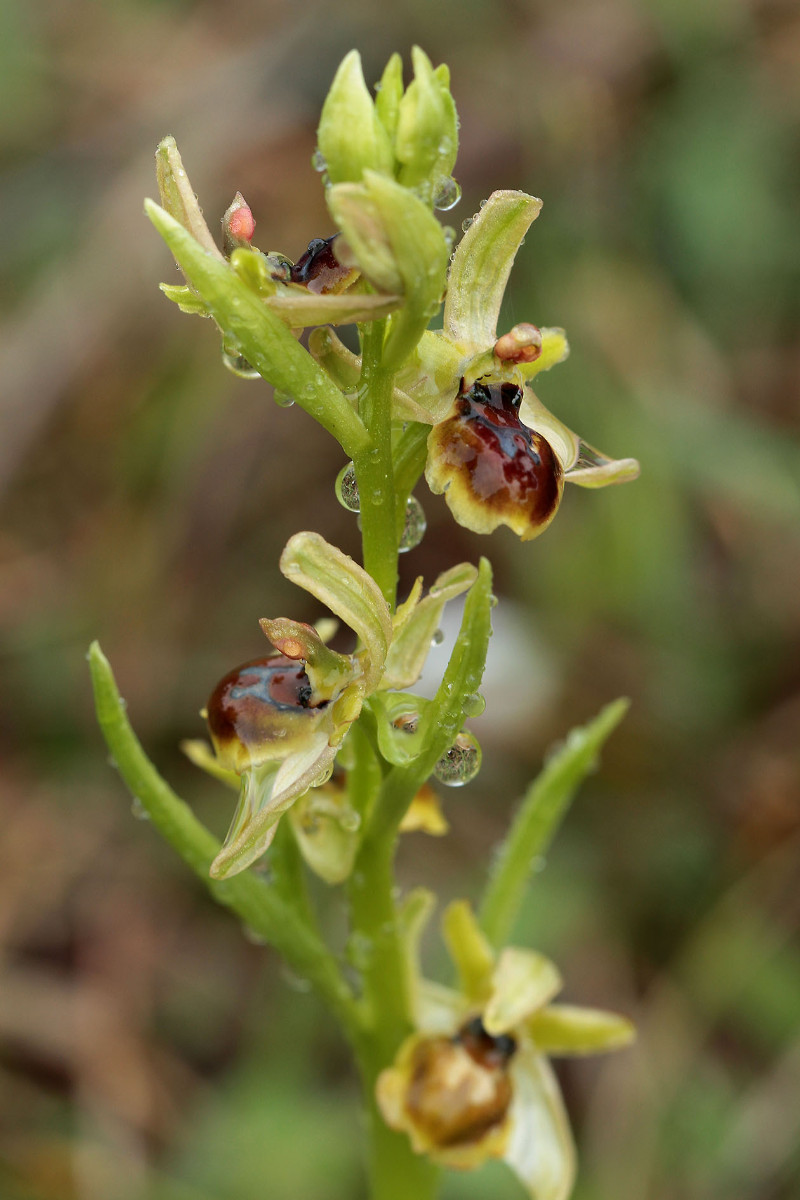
(283, 399)
(460, 763)
(347, 489)
(414, 527)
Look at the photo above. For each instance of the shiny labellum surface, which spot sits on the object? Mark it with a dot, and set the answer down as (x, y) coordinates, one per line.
(319, 269)
(493, 469)
(452, 1096)
(259, 711)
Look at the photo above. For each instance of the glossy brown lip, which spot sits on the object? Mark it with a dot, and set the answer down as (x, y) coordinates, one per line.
(507, 467)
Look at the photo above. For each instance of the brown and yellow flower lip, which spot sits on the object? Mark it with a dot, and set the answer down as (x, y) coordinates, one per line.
(258, 710)
(493, 469)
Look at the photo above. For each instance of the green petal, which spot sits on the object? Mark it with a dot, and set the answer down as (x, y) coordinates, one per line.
(326, 828)
(337, 581)
(481, 266)
(263, 337)
(569, 1029)
(470, 951)
(555, 348)
(186, 300)
(522, 982)
(414, 629)
(540, 1149)
(596, 470)
(351, 136)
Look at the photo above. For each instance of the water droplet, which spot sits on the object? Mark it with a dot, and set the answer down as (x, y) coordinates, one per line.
(415, 526)
(138, 810)
(350, 820)
(474, 704)
(492, 600)
(465, 224)
(438, 637)
(323, 776)
(360, 950)
(447, 195)
(449, 236)
(283, 399)
(253, 936)
(238, 364)
(347, 489)
(484, 203)
(318, 161)
(460, 763)
(112, 762)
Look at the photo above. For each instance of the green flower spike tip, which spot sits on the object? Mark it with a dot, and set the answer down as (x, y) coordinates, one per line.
(473, 1082)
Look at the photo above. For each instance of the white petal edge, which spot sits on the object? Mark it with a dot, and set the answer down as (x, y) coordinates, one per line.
(540, 1149)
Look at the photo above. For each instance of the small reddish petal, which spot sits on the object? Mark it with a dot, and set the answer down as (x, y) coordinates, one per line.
(522, 344)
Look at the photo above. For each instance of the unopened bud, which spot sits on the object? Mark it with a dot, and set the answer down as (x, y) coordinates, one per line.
(351, 137)
(238, 225)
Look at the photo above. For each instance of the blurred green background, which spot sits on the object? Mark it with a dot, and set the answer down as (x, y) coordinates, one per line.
(149, 1052)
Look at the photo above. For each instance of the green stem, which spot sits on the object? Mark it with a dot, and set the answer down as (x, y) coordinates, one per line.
(258, 905)
(374, 471)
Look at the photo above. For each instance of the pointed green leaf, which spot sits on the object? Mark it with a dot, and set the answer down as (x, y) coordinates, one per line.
(539, 816)
(178, 198)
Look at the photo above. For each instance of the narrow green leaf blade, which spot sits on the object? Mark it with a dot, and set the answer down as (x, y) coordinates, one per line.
(541, 812)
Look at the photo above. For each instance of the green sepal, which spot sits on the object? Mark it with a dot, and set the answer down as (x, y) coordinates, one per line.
(186, 300)
(566, 1029)
(481, 266)
(178, 198)
(542, 809)
(388, 94)
(555, 348)
(337, 581)
(351, 136)
(426, 140)
(262, 337)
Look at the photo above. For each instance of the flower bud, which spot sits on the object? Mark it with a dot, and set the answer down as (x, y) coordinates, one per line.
(351, 137)
(238, 225)
(426, 142)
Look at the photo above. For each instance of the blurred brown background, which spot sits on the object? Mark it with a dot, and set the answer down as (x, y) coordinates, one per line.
(149, 1052)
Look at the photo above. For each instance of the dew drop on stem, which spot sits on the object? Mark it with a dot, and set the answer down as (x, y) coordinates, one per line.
(347, 489)
(414, 527)
(460, 763)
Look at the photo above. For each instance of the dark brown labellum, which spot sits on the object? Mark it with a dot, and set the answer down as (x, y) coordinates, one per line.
(319, 269)
(501, 471)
